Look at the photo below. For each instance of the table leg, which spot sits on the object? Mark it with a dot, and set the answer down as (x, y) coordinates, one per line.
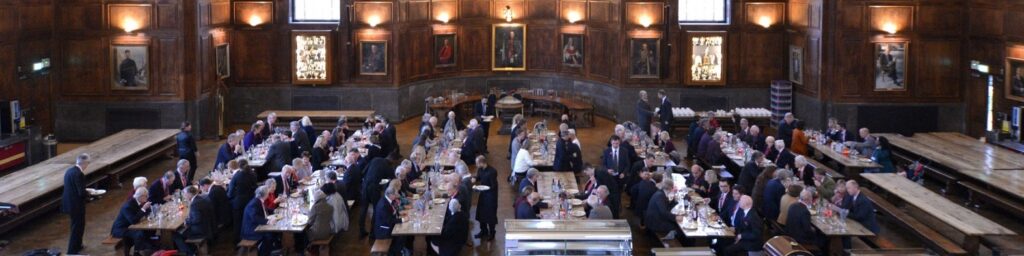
(419, 245)
(971, 244)
(287, 242)
(167, 239)
(835, 245)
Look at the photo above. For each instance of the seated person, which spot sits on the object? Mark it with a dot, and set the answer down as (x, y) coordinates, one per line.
(748, 229)
(200, 222)
(525, 210)
(131, 213)
(454, 231)
(255, 215)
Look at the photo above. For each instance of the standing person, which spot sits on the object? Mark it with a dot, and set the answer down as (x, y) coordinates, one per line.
(786, 127)
(73, 201)
(187, 148)
(644, 112)
(300, 137)
(664, 111)
(268, 129)
(241, 190)
(487, 204)
(482, 111)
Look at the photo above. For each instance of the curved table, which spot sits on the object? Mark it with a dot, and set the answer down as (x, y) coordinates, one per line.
(581, 111)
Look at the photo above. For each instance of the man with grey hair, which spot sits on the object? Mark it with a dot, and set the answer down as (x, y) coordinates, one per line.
(532, 176)
(231, 149)
(182, 175)
(798, 220)
(598, 211)
(786, 126)
(475, 142)
(773, 192)
(803, 170)
(200, 223)
(785, 158)
(254, 216)
(658, 217)
(455, 230)
(748, 226)
(644, 112)
(301, 138)
(385, 216)
(754, 138)
(132, 212)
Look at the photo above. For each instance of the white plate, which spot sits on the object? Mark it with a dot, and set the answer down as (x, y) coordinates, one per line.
(579, 213)
(572, 191)
(439, 201)
(384, 181)
(575, 201)
(481, 188)
(95, 192)
(418, 184)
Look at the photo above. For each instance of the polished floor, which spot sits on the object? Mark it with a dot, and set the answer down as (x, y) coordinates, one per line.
(50, 230)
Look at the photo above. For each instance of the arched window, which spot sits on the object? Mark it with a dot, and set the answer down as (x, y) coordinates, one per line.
(703, 12)
(316, 10)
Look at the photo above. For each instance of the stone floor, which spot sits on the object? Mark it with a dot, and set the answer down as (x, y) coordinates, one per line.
(50, 230)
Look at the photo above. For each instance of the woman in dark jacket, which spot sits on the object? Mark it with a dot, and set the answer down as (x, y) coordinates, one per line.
(255, 135)
(883, 156)
(320, 153)
(487, 204)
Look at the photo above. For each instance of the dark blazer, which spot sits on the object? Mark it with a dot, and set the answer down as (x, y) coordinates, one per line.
(643, 191)
(478, 110)
(377, 170)
(250, 139)
(74, 195)
(253, 217)
(388, 144)
(454, 233)
(786, 132)
(526, 182)
(562, 158)
(575, 156)
(665, 112)
(808, 175)
(715, 156)
(179, 182)
(862, 210)
(772, 194)
(157, 191)
(644, 114)
(353, 179)
(785, 158)
(186, 144)
(524, 211)
(487, 201)
(725, 210)
(278, 155)
(465, 195)
(798, 224)
(218, 197)
(750, 229)
(225, 154)
(843, 136)
(385, 216)
(268, 129)
(633, 176)
(131, 213)
(241, 189)
(608, 162)
(658, 217)
(756, 142)
(374, 151)
(693, 138)
(748, 176)
(317, 158)
(200, 220)
(473, 146)
(302, 141)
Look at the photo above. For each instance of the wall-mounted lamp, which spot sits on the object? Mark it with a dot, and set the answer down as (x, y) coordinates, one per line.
(765, 21)
(645, 20)
(255, 20)
(373, 20)
(508, 13)
(129, 24)
(574, 16)
(890, 28)
(444, 17)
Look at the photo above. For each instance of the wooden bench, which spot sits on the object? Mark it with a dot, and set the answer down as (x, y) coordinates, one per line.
(380, 247)
(246, 247)
(831, 172)
(976, 192)
(320, 247)
(931, 172)
(200, 244)
(889, 252)
(929, 236)
(118, 244)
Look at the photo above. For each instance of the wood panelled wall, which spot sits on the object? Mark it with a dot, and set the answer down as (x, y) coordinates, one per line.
(754, 54)
(26, 36)
(995, 33)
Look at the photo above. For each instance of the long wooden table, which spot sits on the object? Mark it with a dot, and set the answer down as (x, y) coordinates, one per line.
(430, 225)
(973, 225)
(997, 167)
(322, 117)
(568, 180)
(583, 111)
(37, 188)
(836, 234)
(848, 166)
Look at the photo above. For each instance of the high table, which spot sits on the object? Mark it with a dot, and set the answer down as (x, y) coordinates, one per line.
(973, 225)
(430, 224)
(836, 232)
(848, 166)
(355, 117)
(172, 219)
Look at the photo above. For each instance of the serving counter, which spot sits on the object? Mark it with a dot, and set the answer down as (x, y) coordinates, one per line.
(568, 237)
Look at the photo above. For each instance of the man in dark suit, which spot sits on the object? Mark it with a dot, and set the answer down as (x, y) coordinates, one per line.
(786, 127)
(73, 201)
(377, 170)
(487, 201)
(750, 172)
(181, 175)
(658, 217)
(642, 193)
(664, 111)
(216, 195)
(773, 192)
(697, 130)
(644, 112)
(162, 189)
(254, 216)
(616, 158)
(228, 151)
(353, 180)
(842, 135)
(279, 154)
(241, 190)
(633, 176)
(861, 208)
(132, 212)
(755, 139)
(525, 211)
(390, 134)
(604, 177)
(748, 226)
(301, 139)
(798, 220)
(574, 152)
(723, 202)
(474, 142)
(803, 170)
(562, 158)
(454, 230)
(271, 121)
(200, 222)
(532, 175)
(482, 110)
(785, 158)
(187, 148)
(385, 216)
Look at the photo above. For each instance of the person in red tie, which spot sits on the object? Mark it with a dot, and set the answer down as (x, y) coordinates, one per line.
(161, 190)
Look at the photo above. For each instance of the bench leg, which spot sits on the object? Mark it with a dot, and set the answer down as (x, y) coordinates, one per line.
(971, 244)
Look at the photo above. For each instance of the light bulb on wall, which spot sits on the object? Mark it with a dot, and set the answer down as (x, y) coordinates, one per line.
(129, 24)
(574, 16)
(890, 28)
(255, 20)
(645, 21)
(443, 17)
(373, 20)
(508, 13)
(765, 21)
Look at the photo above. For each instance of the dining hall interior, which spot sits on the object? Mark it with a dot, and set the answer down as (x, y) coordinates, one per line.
(641, 127)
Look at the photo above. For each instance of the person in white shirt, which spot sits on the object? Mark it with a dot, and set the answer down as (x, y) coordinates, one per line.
(523, 161)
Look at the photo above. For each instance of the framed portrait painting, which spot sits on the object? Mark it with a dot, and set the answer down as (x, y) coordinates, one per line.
(223, 52)
(373, 58)
(311, 53)
(644, 58)
(509, 50)
(129, 66)
(572, 50)
(796, 64)
(445, 50)
(890, 65)
(706, 62)
(1015, 79)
